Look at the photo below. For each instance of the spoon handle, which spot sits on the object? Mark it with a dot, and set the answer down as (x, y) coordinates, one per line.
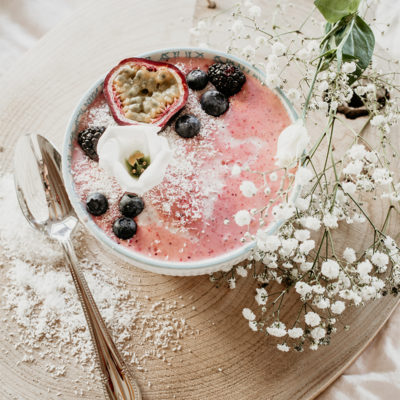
(117, 380)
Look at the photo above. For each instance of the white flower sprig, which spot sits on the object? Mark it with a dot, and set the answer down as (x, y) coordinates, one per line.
(317, 199)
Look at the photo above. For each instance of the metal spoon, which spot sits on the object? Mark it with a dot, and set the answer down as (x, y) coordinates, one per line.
(45, 204)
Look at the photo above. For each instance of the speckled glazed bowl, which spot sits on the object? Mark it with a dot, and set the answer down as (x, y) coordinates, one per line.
(206, 266)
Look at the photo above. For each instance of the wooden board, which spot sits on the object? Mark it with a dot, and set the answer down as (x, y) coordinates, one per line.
(225, 360)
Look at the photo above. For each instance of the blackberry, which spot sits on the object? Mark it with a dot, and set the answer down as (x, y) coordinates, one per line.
(227, 78)
(88, 139)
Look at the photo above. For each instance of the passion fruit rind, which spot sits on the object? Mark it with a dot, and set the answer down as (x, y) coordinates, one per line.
(141, 91)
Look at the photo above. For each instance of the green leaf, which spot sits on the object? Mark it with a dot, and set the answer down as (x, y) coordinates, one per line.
(334, 10)
(356, 45)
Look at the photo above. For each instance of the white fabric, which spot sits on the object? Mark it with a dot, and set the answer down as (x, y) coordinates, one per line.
(376, 373)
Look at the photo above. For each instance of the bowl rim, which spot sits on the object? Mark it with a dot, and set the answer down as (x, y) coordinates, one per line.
(126, 253)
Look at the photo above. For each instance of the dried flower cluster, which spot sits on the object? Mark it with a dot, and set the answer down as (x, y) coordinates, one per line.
(325, 190)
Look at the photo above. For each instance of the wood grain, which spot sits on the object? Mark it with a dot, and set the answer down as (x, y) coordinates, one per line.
(224, 360)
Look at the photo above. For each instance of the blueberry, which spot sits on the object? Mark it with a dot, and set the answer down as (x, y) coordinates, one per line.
(96, 204)
(187, 126)
(124, 228)
(214, 103)
(131, 205)
(197, 79)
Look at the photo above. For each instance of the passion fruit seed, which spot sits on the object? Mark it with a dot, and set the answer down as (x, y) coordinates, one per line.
(136, 163)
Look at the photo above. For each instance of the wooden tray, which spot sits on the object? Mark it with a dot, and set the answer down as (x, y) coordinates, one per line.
(225, 360)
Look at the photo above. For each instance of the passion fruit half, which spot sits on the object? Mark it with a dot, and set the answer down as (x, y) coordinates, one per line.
(141, 91)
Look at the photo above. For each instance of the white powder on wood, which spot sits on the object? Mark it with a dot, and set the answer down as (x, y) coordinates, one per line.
(40, 298)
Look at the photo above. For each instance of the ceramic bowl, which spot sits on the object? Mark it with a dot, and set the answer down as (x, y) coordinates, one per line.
(206, 266)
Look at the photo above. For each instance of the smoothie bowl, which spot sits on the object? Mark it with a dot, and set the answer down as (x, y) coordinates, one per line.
(154, 155)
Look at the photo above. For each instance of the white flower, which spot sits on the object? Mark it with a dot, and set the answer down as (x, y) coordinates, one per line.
(318, 333)
(302, 235)
(324, 85)
(338, 307)
(303, 288)
(349, 187)
(248, 314)
(380, 260)
(278, 49)
(318, 288)
(272, 80)
(364, 268)
(236, 170)
(378, 120)
(248, 189)
(118, 143)
(283, 211)
(354, 167)
(295, 333)
(261, 296)
(306, 266)
(330, 269)
(349, 67)
(349, 255)
(303, 176)
(292, 142)
(357, 152)
(322, 302)
(253, 326)
(242, 217)
(254, 11)
(306, 246)
(237, 27)
(302, 204)
(314, 347)
(232, 283)
(312, 223)
(283, 347)
(330, 221)
(312, 318)
(288, 246)
(277, 329)
(267, 242)
(381, 176)
(241, 271)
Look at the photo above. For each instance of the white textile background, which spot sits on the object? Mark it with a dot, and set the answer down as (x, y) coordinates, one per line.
(376, 373)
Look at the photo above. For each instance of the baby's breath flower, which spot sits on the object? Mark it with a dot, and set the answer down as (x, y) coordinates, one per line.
(338, 307)
(254, 11)
(318, 333)
(238, 27)
(283, 347)
(349, 255)
(312, 223)
(295, 333)
(312, 318)
(253, 326)
(364, 268)
(248, 314)
(261, 296)
(302, 235)
(277, 329)
(330, 221)
(303, 289)
(306, 246)
(381, 260)
(349, 67)
(241, 271)
(330, 269)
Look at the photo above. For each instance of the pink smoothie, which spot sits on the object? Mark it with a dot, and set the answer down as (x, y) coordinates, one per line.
(189, 216)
